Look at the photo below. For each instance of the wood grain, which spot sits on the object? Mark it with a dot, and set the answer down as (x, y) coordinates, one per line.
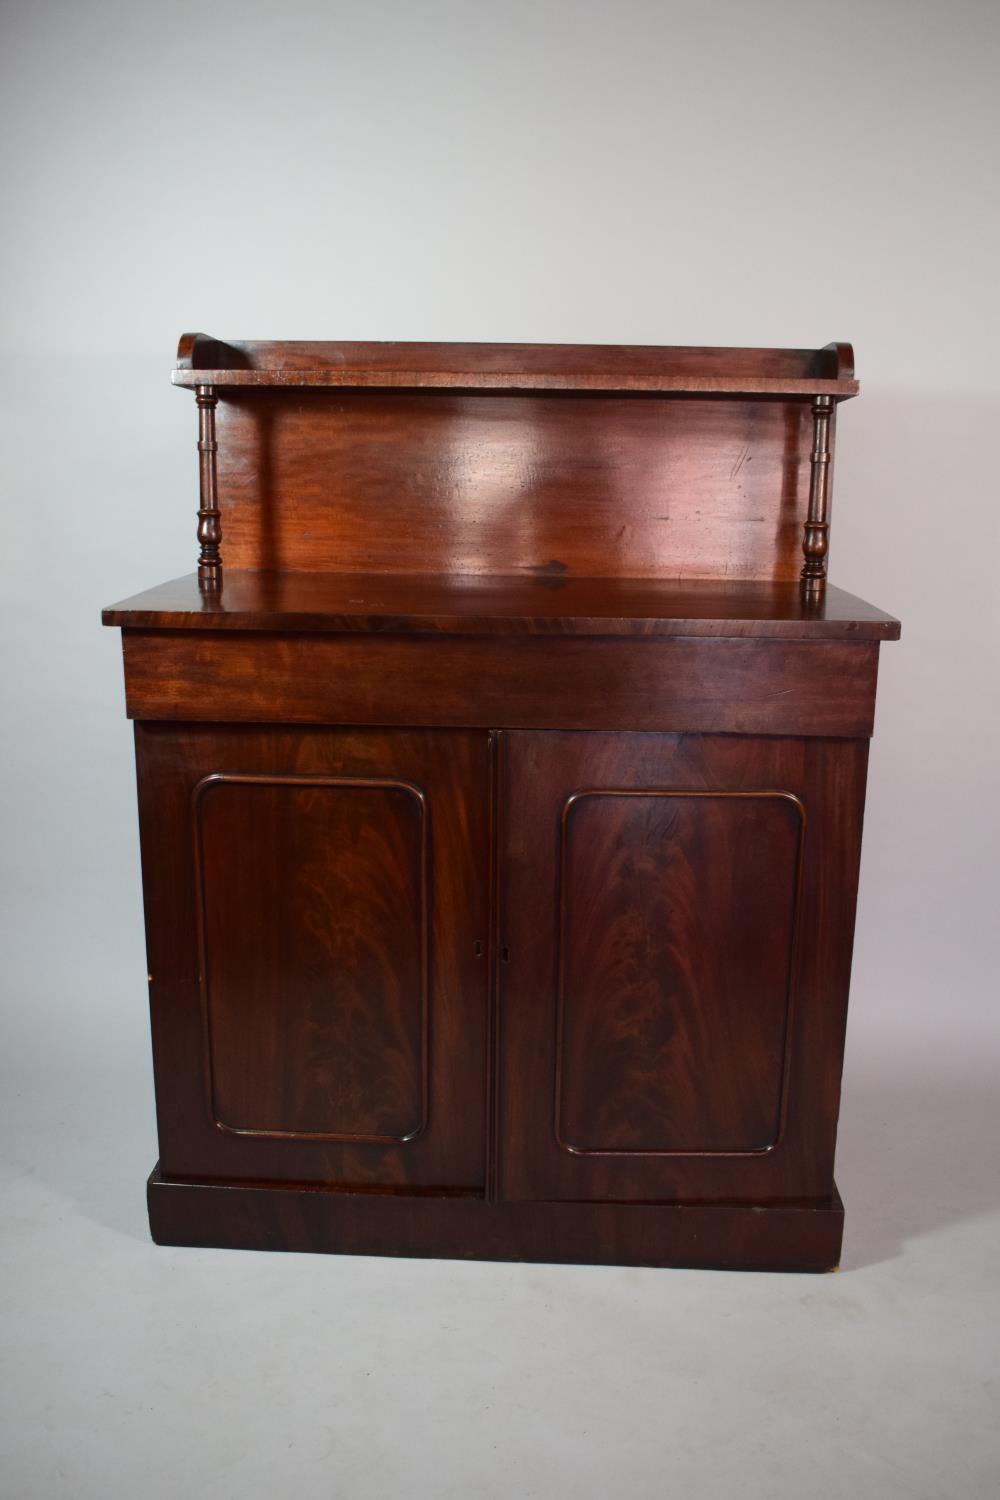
(726, 1236)
(500, 804)
(314, 902)
(702, 979)
(640, 487)
(464, 604)
(201, 358)
(725, 686)
(677, 917)
(314, 933)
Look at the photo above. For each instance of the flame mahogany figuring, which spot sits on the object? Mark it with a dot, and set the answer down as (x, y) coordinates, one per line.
(501, 774)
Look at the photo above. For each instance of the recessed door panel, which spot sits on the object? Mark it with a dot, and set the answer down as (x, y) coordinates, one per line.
(314, 948)
(677, 915)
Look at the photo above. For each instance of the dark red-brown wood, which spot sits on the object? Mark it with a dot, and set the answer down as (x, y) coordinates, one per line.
(479, 604)
(554, 485)
(314, 952)
(677, 462)
(705, 684)
(500, 791)
(317, 926)
(676, 990)
(521, 367)
(722, 1236)
(648, 876)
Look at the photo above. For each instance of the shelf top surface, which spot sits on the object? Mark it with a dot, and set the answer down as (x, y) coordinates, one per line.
(483, 604)
(680, 369)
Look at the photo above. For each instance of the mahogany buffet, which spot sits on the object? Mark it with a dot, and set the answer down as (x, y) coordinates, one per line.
(501, 773)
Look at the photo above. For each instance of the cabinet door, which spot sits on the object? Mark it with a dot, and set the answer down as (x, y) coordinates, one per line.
(677, 921)
(316, 908)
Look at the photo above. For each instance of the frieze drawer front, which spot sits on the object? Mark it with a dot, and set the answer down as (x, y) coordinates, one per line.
(501, 773)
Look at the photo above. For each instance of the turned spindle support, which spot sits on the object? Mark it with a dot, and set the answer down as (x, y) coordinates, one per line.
(209, 517)
(816, 532)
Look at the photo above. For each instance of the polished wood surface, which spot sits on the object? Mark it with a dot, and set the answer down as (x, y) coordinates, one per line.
(676, 989)
(500, 792)
(318, 929)
(477, 604)
(640, 487)
(314, 951)
(704, 684)
(650, 877)
(816, 532)
(722, 1236)
(209, 514)
(523, 367)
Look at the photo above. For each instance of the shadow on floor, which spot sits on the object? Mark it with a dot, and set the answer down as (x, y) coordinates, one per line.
(917, 1152)
(917, 1149)
(85, 1136)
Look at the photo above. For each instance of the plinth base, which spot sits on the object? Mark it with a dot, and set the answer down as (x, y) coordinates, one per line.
(726, 1236)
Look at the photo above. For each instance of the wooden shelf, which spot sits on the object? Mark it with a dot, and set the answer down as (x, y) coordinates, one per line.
(474, 604)
(519, 381)
(519, 368)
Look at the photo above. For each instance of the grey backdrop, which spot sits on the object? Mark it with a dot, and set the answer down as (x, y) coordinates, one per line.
(776, 173)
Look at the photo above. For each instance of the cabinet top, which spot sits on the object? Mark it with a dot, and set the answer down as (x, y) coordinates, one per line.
(679, 370)
(456, 604)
